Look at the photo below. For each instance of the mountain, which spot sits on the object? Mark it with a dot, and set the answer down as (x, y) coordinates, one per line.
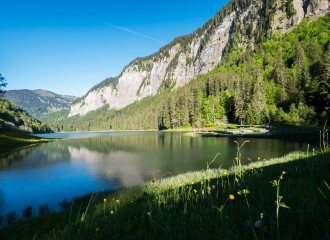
(12, 117)
(239, 23)
(39, 102)
(283, 78)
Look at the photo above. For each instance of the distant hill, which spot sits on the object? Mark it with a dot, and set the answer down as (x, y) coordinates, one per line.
(39, 102)
(12, 117)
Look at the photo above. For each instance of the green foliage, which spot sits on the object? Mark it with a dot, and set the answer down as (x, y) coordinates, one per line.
(12, 117)
(3, 84)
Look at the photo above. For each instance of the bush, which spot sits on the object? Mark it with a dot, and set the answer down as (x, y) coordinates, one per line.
(10, 217)
(44, 209)
(27, 212)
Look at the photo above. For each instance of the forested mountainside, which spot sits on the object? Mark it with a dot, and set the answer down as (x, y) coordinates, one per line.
(237, 24)
(12, 117)
(284, 79)
(39, 102)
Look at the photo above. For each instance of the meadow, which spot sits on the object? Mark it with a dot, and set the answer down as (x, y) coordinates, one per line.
(283, 198)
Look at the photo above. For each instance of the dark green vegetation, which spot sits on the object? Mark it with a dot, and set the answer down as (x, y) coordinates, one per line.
(284, 79)
(13, 140)
(39, 102)
(210, 204)
(13, 118)
(3, 84)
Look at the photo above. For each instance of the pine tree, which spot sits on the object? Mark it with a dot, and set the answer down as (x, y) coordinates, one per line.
(258, 97)
(239, 101)
(325, 92)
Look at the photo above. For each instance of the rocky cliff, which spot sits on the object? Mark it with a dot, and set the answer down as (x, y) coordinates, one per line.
(197, 53)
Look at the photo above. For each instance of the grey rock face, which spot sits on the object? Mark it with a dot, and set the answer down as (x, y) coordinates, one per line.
(135, 84)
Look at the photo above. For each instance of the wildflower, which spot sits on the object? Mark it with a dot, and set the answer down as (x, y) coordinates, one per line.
(231, 197)
(149, 214)
(105, 200)
(261, 215)
(132, 201)
(258, 224)
(180, 184)
(97, 229)
(153, 180)
(236, 158)
(192, 183)
(259, 164)
(153, 200)
(111, 212)
(195, 190)
(225, 173)
(134, 196)
(283, 172)
(117, 201)
(258, 158)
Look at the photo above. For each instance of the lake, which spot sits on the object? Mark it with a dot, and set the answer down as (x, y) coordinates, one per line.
(73, 166)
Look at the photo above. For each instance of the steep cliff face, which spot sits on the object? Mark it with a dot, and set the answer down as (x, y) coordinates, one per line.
(200, 54)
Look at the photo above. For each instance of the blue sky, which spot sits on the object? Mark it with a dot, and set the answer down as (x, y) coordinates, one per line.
(65, 47)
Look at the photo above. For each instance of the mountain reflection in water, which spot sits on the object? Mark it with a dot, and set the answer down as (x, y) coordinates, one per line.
(71, 167)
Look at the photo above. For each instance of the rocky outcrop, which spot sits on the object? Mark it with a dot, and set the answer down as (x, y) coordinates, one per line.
(182, 65)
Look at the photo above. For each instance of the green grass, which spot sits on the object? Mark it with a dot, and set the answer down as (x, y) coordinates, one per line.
(14, 140)
(196, 205)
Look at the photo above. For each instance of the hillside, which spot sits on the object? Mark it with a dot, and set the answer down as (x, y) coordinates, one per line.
(237, 24)
(39, 102)
(284, 79)
(13, 118)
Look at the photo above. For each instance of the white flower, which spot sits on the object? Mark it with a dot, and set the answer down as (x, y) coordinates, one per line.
(258, 224)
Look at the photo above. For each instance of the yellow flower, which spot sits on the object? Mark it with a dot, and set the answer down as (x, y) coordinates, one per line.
(117, 201)
(105, 200)
(192, 182)
(231, 197)
(153, 180)
(258, 158)
(180, 184)
(283, 172)
(225, 173)
(195, 190)
(153, 200)
(134, 196)
(236, 158)
(97, 229)
(259, 164)
(111, 212)
(261, 215)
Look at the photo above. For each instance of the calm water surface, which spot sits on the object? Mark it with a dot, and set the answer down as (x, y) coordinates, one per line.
(74, 166)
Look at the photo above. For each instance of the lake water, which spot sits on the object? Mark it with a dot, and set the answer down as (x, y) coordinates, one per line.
(73, 166)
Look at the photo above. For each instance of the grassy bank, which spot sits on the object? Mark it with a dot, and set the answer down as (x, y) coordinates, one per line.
(209, 204)
(11, 141)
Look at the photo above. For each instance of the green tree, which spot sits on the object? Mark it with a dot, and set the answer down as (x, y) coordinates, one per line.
(258, 97)
(325, 92)
(3, 84)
